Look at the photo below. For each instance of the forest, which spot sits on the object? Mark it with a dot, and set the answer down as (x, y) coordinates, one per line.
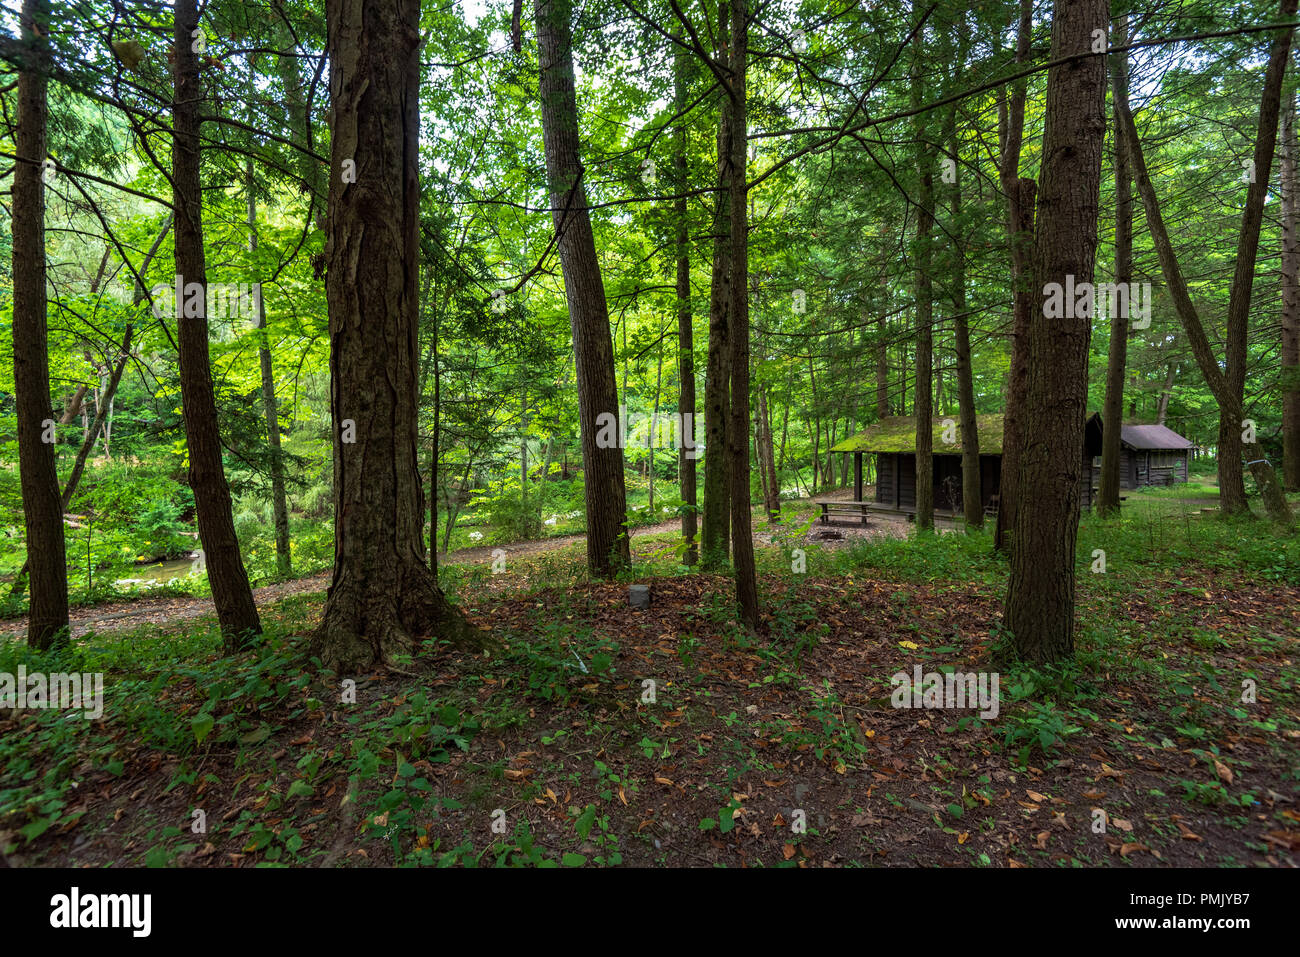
(653, 433)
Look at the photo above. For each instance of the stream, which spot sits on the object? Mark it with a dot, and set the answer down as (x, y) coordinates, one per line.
(158, 573)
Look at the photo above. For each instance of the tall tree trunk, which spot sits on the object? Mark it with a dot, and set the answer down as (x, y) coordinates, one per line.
(1040, 600)
(1113, 408)
(435, 445)
(715, 533)
(382, 596)
(1021, 199)
(742, 540)
(1227, 383)
(279, 503)
(923, 386)
(47, 621)
(225, 567)
(687, 453)
(606, 497)
(972, 497)
(1290, 373)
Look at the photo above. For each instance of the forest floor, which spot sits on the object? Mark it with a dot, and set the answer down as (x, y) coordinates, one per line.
(1173, 738)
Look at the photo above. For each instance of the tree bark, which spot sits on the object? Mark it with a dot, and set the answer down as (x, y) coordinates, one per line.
(1040, 599)
(687, 452)
(231, 593)
(923, 386)
(606, 498)
(1117, 359)
(715, 532)
(972, 497)
(1227, 386)
(742, 540)
(47, 620)
(1290, 371)
(383, 595)
(1021, 198)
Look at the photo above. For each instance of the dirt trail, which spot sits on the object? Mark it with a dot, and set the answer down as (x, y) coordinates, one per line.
(139, 611)
(132, 613)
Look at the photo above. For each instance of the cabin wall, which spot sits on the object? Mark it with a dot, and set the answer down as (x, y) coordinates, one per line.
(885, 469)
(896, 474)
(906, 480)
(1158, 467)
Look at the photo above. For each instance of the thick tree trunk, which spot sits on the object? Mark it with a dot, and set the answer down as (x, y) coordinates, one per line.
(687, 454)
(383, 596)
(1117, 360)
(606, 498)
(923, 386)
(1021, 198)
(279, 503)
(1290, 372)
(742, 540)
(715, 533)
(1040, 600)
(225, 566)
(1227, 383)
(47, 621)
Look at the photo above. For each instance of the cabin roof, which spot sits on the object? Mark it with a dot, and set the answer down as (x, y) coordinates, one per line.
(1148, 437)
(897, 433)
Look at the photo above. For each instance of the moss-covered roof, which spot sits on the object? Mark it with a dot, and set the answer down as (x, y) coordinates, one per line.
(898, 434)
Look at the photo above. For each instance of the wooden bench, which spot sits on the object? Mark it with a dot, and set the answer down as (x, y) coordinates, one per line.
(863, 509)
(859, 509)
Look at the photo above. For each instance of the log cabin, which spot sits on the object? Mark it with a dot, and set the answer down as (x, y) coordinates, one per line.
(1150, 455)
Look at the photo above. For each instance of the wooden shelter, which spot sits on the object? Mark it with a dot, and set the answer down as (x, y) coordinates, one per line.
(1152, 454)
